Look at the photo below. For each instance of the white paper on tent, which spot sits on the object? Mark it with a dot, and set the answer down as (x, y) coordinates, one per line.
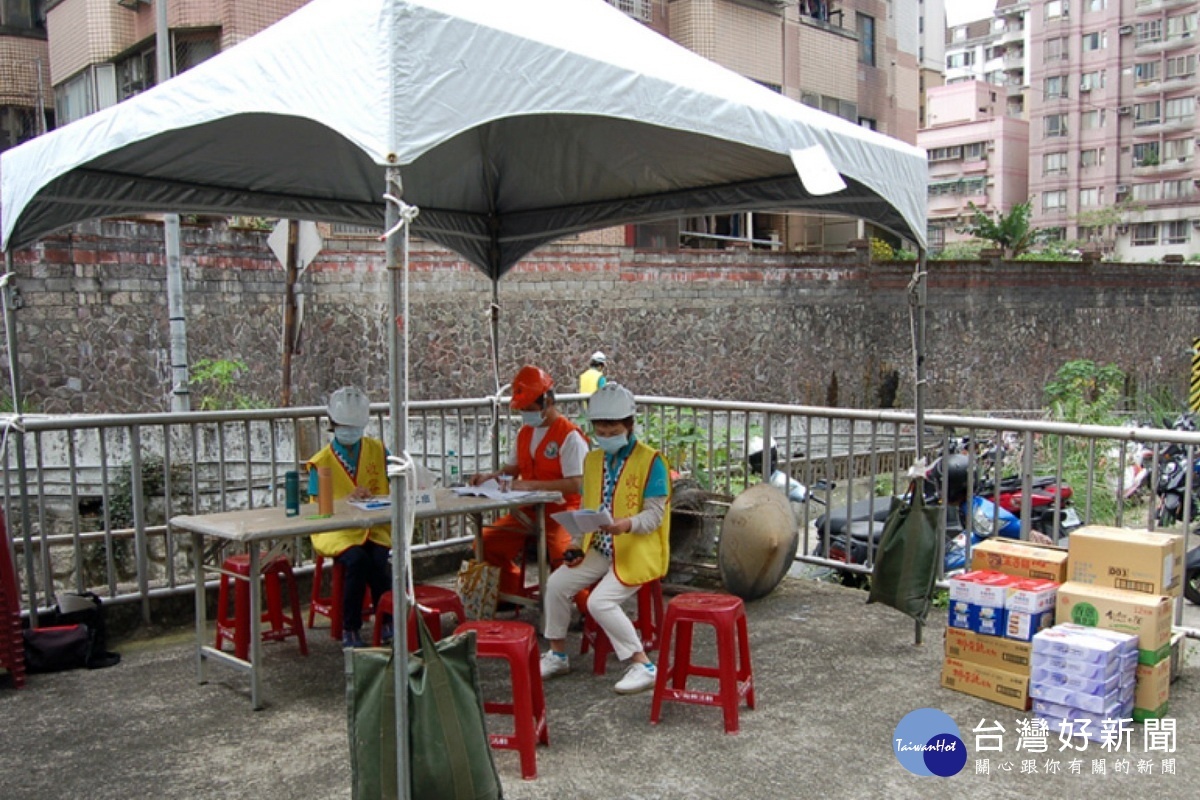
(582, 521)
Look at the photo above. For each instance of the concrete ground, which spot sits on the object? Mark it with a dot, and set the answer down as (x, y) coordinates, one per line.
(833, 677)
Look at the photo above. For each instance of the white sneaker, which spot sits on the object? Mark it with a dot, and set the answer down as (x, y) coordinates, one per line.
(638, 678)
(555, 664)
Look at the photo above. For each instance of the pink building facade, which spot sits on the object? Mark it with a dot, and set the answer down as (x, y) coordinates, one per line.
(977, 155)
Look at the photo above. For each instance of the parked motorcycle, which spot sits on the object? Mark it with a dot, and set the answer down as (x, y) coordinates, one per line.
(853, 534)
(1171, 498)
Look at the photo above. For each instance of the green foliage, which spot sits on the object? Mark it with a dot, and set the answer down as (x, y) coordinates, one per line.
(1011, 232)
(906, 255)
(684, 443)
(959, 251)
(1085, 392)
(218, 381)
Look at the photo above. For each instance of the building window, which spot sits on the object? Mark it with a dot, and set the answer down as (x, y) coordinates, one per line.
(1054, 201)
(1054, 49)
(1145, 234)
(975, 151)
(960, 60)
(1149, 32)
(1056, 234)
(1145, 72)
(1055, 86)
(1181, 26)
(1097, 40)
(1091, 158)
(1176, 232)
(1092, 196)
(866, 39)
(1092, 120)
(1147, 113)
(1145, 192)
(1178, 151)
(1181, 67)
(22, 15)
(1055, 9)
(1090, 233)
(868, 123)
(945, 153)
(1055, 125)
(638, 9)
(1178, 190)
(1054, 163)
(1091, 80)
(1097, 5)
(1145, 155)
(1181, 109)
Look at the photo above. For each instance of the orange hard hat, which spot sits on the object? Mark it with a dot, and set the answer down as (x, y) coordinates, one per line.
(530, 384)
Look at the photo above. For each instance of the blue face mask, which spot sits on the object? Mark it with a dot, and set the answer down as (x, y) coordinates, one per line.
(347, 435)
(612, 444)
(532, 418)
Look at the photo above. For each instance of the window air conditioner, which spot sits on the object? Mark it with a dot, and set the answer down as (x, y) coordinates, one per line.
(1122, 230)
(1125, 111)
(1196, 224)
(1125, 30)
(1123, 188)
(1083, 88)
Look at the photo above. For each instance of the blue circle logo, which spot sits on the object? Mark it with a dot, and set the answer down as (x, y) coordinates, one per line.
(927, 742)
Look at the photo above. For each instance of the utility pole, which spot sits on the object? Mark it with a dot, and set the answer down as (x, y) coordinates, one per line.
(180, 396)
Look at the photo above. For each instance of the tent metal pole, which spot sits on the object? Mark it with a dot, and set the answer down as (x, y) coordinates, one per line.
(177, 320)
(397, 259)
(919, 298)
(10, 300)
(494, 332)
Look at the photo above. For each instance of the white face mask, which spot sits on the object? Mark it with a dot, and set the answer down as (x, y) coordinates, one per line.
(532, 418)
(347, 435)
(612, 444)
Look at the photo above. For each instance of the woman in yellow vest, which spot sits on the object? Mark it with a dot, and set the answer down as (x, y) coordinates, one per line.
(358, 465)
(631, 481)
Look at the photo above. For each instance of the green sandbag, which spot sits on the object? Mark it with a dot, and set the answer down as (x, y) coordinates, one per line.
(906, 561)
(450, 755)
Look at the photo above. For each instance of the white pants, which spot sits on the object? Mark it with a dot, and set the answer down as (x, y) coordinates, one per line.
(604, 603)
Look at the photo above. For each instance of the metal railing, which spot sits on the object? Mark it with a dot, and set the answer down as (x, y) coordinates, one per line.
(87, 498)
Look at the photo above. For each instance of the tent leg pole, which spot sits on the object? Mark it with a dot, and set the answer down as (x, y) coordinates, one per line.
(397, 260)
(919, 298)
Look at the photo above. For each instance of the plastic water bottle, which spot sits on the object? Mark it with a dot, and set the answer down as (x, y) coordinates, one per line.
(452, 474)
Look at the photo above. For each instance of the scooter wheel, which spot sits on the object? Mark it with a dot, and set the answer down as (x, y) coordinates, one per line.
(1191, 586)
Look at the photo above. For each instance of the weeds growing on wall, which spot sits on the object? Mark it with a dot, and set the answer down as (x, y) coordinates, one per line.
(218, 383)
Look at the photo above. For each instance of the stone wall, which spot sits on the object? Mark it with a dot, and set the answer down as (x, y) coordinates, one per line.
(817, 330)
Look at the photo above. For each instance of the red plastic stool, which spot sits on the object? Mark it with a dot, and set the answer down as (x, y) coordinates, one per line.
(727, 615)
(330, 605)
(648, 624)
(435, 598)
(516, 642)
(237, 627)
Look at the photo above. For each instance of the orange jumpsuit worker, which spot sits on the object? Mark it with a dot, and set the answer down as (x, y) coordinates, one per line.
(547, 456)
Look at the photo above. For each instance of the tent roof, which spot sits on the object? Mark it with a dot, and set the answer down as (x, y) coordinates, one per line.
(513, 122)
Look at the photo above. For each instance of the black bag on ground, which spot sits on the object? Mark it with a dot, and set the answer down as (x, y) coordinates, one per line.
(86, 609)
(57, 648)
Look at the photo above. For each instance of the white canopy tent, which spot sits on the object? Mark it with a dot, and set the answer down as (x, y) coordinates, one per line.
(508, 123)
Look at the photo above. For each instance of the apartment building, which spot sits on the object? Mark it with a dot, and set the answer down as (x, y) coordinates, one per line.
(1113, 110)
(931, 51)
(103, 51)
(26, 97)
(977, 156)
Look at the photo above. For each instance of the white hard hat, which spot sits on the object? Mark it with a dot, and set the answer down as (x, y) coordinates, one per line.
(349, 405)
(598, 357)
(612, 401)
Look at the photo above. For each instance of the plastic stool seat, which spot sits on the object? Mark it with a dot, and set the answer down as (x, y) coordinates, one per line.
(515, 642)
(648, 624)
(436, 599)
(330, 605)
(236, 628)
(727, 615)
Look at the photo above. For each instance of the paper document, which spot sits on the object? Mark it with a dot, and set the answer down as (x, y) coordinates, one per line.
(490, 489)
(372, 503)
(577, 523)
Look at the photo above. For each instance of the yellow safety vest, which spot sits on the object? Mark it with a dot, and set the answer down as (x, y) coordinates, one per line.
(637, 557)
(589, 381)
(372, 473)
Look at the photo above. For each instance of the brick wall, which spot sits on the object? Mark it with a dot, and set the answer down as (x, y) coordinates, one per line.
(729, 325)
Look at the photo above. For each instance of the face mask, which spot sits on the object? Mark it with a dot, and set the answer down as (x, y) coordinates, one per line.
(532, 418)
(612, 444)
(347, 435)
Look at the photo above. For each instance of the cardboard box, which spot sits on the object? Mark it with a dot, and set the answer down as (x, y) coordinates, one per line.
(1135, 560)
(989, 651)
(1024, 625)
(1146, 616)
(997, 685)
(1021, 559)
(1152, 690)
